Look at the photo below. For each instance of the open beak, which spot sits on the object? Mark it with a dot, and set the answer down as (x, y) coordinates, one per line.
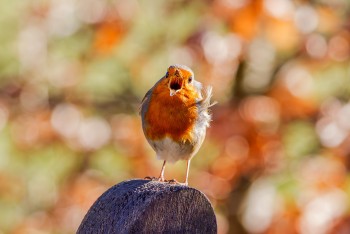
(175, 85)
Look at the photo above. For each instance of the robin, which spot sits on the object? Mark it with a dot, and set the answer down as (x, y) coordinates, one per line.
(175, 116)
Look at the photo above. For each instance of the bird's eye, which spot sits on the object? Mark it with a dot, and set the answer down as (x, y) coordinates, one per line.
(190, 79)
(167, 75)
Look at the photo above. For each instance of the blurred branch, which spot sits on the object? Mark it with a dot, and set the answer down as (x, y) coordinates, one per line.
(238, 91)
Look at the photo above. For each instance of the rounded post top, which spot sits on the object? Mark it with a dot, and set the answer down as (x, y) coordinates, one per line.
(144, 206)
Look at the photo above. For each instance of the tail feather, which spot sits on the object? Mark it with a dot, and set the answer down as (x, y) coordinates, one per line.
(204, 105)
(207, 95)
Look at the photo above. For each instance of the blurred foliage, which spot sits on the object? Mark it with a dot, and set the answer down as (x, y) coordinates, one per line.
(72, 74)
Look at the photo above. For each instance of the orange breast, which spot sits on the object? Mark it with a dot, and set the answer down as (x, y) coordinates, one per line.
(171, 116)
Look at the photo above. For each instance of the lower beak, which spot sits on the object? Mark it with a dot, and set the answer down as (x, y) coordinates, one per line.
(175, 86)
(173, 92)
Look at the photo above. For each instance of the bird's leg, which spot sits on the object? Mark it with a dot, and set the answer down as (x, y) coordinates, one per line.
(161, 176)
(187, 171)
(173, 181)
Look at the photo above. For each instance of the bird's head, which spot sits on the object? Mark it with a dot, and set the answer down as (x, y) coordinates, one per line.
(178, 84)
(179, 79)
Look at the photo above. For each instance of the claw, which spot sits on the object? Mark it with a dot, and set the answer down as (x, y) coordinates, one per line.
(154, 178)
(173, 181)
(150, 178)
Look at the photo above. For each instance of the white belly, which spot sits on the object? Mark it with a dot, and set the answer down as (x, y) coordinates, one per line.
(171, 151)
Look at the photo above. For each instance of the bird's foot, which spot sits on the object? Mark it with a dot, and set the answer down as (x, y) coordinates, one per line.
(173, 181)
(151, 178)
(154, 178)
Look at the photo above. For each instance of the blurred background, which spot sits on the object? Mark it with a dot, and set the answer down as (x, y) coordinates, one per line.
(73, 73)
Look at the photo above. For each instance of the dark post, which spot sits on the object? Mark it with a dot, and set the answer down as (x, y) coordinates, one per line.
(143, 206)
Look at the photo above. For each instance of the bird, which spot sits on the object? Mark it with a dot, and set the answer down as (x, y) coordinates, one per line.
(175, 115)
